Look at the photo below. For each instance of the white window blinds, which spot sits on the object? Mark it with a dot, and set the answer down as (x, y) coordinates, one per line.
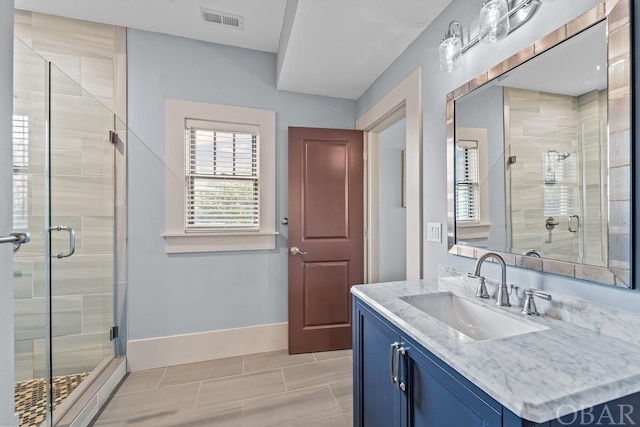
(466, 180)
(222, 177)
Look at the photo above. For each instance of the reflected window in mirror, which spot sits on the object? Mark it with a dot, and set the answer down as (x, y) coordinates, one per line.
(472, 197)
(468, 197)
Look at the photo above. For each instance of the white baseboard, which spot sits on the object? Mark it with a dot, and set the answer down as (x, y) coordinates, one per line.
(179, 349)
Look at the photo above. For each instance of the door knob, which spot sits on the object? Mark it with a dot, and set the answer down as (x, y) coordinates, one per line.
(295, 251)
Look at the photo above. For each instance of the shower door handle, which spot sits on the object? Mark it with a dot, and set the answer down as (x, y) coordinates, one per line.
(72, 240)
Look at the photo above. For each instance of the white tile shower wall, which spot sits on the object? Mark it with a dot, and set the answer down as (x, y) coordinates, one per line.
(540, 122)
(82, 188)
(576, 124)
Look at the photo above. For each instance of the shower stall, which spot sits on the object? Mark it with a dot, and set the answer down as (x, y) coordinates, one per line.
(557, 192)
(63, 196)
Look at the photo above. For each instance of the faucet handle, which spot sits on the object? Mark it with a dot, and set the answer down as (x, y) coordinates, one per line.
(481, 292)
(537, 293)
(529, 304)
(482, 288)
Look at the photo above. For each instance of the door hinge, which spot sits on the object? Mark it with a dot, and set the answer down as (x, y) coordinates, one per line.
(113, 137)
(365, 233)
(113, 333)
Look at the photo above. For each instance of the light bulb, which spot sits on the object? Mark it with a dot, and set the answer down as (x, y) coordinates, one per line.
(449, 52)
(494, 21)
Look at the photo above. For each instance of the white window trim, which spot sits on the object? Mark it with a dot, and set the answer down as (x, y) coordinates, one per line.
(175, 238)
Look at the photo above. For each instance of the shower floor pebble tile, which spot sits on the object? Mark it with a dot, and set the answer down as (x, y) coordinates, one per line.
(31, 399)
(261, 390)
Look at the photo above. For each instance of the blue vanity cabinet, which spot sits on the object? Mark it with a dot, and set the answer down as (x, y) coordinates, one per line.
(438, 396)
(398, 383)
(426, 393)
(376, 396)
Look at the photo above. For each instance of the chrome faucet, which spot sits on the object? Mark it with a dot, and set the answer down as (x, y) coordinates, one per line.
(503, 294)
(531, 252)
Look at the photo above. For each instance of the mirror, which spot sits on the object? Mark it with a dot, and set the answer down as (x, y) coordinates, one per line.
(539, 153)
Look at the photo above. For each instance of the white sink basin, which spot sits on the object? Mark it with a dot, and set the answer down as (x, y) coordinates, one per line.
(473, 320)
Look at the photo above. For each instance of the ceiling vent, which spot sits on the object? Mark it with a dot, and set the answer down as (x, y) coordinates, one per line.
(222, 18)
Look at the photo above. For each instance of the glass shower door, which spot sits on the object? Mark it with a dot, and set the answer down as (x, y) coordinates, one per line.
(29, 141)
(81, 194)
(63, 177)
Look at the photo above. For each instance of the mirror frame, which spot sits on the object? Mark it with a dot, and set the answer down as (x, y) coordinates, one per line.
(618, 272)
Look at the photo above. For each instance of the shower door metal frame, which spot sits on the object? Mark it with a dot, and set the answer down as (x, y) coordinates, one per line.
(56, 414)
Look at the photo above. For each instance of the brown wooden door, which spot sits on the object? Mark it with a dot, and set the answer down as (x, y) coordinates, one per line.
(325, 221)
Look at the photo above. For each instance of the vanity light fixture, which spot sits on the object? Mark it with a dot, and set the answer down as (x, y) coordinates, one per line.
(497, 19)
(451, 47)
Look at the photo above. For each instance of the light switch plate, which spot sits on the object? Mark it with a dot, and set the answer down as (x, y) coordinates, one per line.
(434, 232)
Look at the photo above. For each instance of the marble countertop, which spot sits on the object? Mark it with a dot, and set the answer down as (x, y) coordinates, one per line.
(539, 375)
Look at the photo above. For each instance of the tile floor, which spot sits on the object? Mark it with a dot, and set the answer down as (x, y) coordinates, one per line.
(261, 390)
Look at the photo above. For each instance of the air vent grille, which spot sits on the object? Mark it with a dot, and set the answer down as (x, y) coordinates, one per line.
(222, 18)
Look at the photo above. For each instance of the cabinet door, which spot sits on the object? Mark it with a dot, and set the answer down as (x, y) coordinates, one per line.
(437, 396)
(376, 398)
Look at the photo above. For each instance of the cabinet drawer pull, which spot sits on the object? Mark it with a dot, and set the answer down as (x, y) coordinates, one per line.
(400, 351)
(394, 346)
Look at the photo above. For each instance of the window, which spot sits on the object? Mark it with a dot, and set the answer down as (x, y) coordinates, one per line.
(471, 183)
(20, 170)
(467, 197)
(220, 178)
(223, 184)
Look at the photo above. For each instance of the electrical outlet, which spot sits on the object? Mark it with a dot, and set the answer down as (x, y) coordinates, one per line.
(434, 232)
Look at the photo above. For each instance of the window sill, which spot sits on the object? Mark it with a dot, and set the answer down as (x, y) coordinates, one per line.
(473, 231)
(175, 243)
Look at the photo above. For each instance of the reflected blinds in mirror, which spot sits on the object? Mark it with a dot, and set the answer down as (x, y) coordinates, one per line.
(561, 182)
(467, 197)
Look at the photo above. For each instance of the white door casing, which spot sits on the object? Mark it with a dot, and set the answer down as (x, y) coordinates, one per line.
(405, 100)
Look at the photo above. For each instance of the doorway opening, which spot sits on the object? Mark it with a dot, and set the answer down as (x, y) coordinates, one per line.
(397, 114)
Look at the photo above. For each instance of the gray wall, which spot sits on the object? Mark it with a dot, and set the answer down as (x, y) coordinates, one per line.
(435, 85)
(188, 293)
(393, 217)
(7, 375)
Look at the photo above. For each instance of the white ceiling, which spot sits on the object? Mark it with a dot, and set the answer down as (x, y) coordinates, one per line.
(330, 47)
(575, 67)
